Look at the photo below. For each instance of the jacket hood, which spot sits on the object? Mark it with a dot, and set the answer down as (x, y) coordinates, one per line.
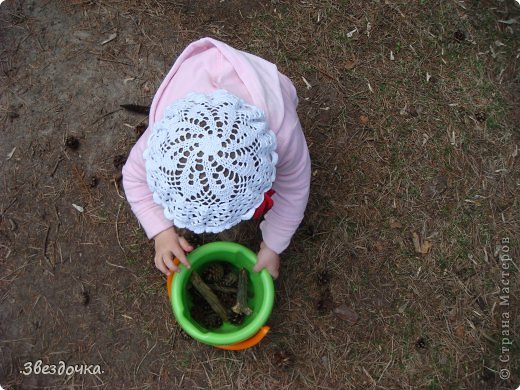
(259, 77)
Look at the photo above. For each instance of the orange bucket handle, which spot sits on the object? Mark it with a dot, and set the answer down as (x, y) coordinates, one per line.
(250, 342)
(170, 279)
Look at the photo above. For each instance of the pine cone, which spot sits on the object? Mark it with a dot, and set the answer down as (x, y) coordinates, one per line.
(72, 142)
(229, 279)
(227, 299)
(207, 309)
(323, 278)
(213, 321)
(205, 316)
(213, 273)
(234, 318)
(198, 313)
(196, 297)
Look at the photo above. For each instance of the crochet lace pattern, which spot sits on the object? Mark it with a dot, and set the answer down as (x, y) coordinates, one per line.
(210, 160)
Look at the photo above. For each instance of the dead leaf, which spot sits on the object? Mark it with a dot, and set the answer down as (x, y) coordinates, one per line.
(416, 242)
(508, 21)
(307, 84)
(413, 111)
(345, 313)
(504, 203)
(422, 247)
(395, 224)
(110, 38)
(363, 119)
(351, 33)
(78, 208)
(459, 331)
(11, 153)
(350, 64)
(426, 245)
(435, 186)
(378, 245)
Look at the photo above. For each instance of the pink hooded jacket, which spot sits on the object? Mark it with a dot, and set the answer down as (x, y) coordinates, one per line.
(208, 65)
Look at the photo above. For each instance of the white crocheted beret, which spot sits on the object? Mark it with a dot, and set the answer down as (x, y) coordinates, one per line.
(210, 160)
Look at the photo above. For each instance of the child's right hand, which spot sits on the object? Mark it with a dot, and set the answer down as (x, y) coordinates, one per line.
(169, 245)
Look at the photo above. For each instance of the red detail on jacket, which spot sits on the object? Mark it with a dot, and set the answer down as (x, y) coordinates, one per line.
(265, 206)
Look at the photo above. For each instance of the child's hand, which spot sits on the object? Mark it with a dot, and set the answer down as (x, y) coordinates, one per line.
(268, 259)
(167, 246)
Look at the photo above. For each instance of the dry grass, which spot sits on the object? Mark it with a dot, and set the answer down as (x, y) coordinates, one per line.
(411, 125)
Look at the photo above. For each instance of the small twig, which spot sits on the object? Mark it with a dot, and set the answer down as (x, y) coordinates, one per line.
(12, 272)
(114, 265)
(105, 115)
(57, 218)
(136, 108)
(241, 306)
(209, 296)
(80, 177)
(117, 62)
(144, 357)
(15, 340)
(117, 189)
(395, 8)
(117, 228)
(45, 244)
(99, 379)
(224, 289)
(60, 159)
(367, 374)
(388, 364)
(384, 370)
(8, 251)
(9, 205)
(341, 88)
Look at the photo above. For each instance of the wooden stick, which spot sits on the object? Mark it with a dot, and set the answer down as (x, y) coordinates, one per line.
(241, 305)
(224, 289)
(208, 295)
(136, 108)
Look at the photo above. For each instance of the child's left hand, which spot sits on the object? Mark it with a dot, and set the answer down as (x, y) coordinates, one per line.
(268, 259)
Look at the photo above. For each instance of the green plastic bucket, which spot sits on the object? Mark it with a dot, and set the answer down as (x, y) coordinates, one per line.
(260, 301)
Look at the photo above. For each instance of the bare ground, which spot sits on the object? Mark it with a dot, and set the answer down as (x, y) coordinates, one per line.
(410, 109)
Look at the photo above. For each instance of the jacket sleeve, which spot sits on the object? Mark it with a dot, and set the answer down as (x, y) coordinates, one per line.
(150, 214)
(292, 186)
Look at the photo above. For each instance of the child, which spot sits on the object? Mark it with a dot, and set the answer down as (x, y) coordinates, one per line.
(224, 143)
